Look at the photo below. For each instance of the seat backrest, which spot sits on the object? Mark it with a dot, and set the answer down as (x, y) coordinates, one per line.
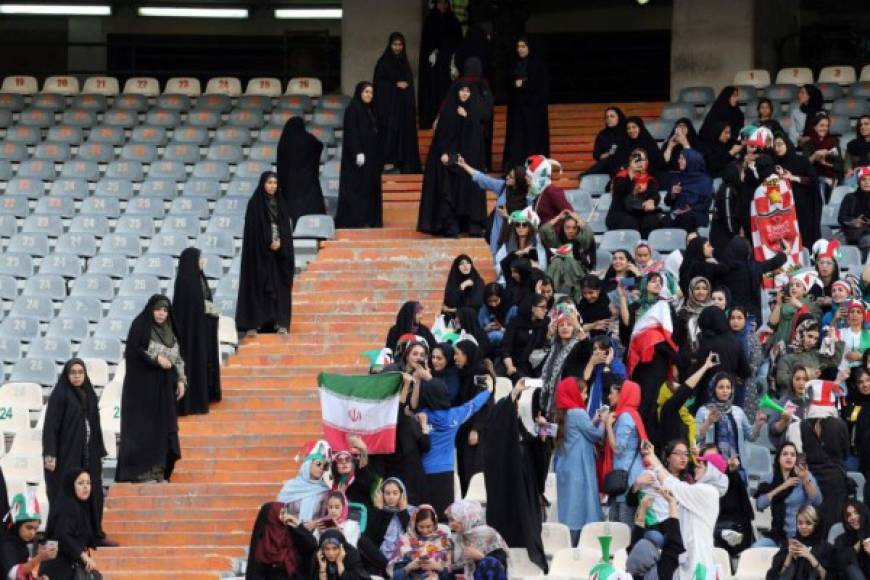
(620, 533)
(96, 225)
(20, 85)
(106, 86)
(72, 327)
(265, 86)
(230, 86)
(840, 74)
(149, 135)
(61, 85)
(84, 245)
(90, 102)
(99, 285)
(187, 86)
(758, 78)
(556, 536)
(755, 562)
(795, 75)
(146, 86)
(111, 187)
(56, 347)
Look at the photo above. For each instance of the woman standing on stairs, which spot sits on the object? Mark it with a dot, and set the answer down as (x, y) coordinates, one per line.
(299, 170)
(266, 278)
(359, 190)
(154, 381)
(197, 322)
(396, 109)
(441, 37)
(72, 436)
(528, 130)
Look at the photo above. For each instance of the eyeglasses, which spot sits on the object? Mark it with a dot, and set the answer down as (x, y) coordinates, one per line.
(522, 225)
(344, 459)
(680, 453)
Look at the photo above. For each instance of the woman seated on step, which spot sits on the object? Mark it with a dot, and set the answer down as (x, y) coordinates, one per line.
(281, 547)
(304, 494)
(15, 552)
(424, 551)
(71, 525)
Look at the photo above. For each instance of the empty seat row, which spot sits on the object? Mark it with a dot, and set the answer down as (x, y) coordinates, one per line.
(839, 74)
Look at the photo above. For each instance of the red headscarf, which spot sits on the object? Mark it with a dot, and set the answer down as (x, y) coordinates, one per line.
(629, 401)
(275, 545)
(568, 395)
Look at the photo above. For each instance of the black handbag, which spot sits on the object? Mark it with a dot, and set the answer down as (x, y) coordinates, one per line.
(616, 482)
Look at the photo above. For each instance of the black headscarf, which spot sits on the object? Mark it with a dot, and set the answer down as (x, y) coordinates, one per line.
(357, 101)
(644, 141)
(406, 319)
(692, 256)
(859, 147)
(163, 333)
(814, 104)
(609, 136)
(713, 322)
(454, 296)
(473, 366)
(298, 161)
(691, 137)
(144, 328)
(434, 395)
(70, 518)
(467, 318)
(723, 112)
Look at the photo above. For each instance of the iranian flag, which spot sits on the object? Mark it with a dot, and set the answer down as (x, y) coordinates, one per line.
(364, 405)
(653, 327)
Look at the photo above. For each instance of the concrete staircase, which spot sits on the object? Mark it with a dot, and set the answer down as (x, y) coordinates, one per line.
(237, 457)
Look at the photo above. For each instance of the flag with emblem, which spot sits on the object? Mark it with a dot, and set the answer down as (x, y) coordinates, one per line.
(774, 225)
(364, 405)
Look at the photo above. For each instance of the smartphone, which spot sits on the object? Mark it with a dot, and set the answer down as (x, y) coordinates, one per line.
(802, 460)
(534, 383)
(480, 380)
(789, 406)
(715, 358)
(604, 408)
(329, 523)
(51, 544)
(548, 429)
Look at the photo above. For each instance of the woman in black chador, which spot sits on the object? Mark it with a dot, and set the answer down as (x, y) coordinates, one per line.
(154, 381)
(266, 278)
(197, 321)
(442, 36)
(72, 437)
(451, 203)
(359, 192)
(299, 170)
(528, 130)
(395, 108)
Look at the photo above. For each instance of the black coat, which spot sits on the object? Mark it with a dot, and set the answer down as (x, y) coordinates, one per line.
(266, 278)
(808, 201)
(744, 275)
(528, 130)
(396, 110)
(197, 333)
(521, 337)
(472, 75)
(13, 551)
(302, 540)
(359, 191)
(716, 336)
(70, 524)
(826, 459)
(379, 521)
(149, 418)
(64, 437)
(443, 33)
(405, 324)
(299, 170)
(406, 463)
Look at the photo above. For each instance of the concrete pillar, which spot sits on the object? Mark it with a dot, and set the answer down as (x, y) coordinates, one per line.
(365, 27)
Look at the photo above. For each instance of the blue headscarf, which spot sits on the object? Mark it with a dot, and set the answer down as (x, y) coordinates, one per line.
(309, 492)
(697, 185)
(596, 391)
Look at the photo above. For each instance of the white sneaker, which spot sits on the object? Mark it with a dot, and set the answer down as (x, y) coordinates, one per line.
(732, 537)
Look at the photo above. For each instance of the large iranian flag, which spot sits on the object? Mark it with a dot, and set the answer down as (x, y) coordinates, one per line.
(364, 405)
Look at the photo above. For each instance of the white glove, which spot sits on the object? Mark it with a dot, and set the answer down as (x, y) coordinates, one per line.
(360, 159)
(433, 57)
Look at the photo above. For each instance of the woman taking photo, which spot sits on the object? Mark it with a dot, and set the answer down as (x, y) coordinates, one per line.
(70, 524)
(637, 137)
(691, 192)
(808, 555)
(608, 140)
(20, 557)
(528, 126)
(154, 381)
(801, 176)
(636, 198)
(268, 264)
(470, 439)
(724, 424)
(280, 546)
(423, 550)
(682, 137)
(852, 547)
(359, 190)
(395, 108)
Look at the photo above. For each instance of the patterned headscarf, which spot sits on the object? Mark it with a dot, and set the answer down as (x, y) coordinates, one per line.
(475, 533)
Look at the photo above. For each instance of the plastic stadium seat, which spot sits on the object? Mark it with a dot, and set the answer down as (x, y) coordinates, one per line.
(865, 73)
(173, 102)
(106, 134)
(8, 225)
(186, 86)
(168, 243)
(20, 85)
(26, 187)
(696, 95)
(315, 226)
(297, 100)
(228, 285)
(60, 206)
(112, 264)
(226, 303)
(139, 285)
(84, 245)
(212, 169)
(758, 78)
(259, 103)
(50, 151)
(850, 107)
(840, 125)
(231, 224)
(666, 240)
(88, 306)
(145, 206)
(159, 187)
(37, 169)
(34, 369)
(163, 118)
(249, 118)
(782, 92)
(168, 170)
(209, 189)
(229, 86)
(80, 118)
(121, 118)
(220, 243)
(243, 188)
(98, 371)
(106, 348)
(308, 86)
(215, 103)
(113, 187)
(50, 286)
(230, 206)
(95, 151)
(324, 134)
(107, 206)
(116, 328)
(619, 240)
(31, 244)
(754, 563)
(124, 169)
(90, 102)
(226, 153)
(106, 86)
(5, 118)
(87, 170)
(850, 257)
(10, 349)
(190, 134)
(54, 347)
(95, 225)
(233, 135)
(159, 265)
(141, 152)
(74, 328)
(334, 118)
(860, 89)
(12, 102)
(280, 117)
(183, 152)
(144, 86)
(212, 265)
(794, 76)
(831, 91)
(840, 74)
(141, 226)
(39, 307)
(65, 264)
(206, 118)
(127, 306)
(23, 134)
(43, 224)
(264, 86)
(125, 244)
(48, 102)
(98, 285)
(25, 328)
(41, 118)
(195, 207)
(13, 151)
(13, 205)
(253, 169)
(659, 129)
(333, 101)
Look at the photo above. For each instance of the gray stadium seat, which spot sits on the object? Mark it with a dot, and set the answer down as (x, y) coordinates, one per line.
(13, 102)
(50, 225)
(48, 101)
(37, 169)
(184, 152)
(236, 266)
(279, 117)
(173, 102)
(145, 206)
(252, 169)
(65, 134)
(14, 205)
(8, 225)
(168, 243)
(329, 185)
(139, 152)
(171, 170)
(263, 152)
(25, 186)
(666, 240)
(336, 102)
(84, 245)
(139, 285)
(159, 265)
(23, 134)
(256, 102)
(212, 169)
(39, 307)
(107, 206)
(34, 117)
(320, 227)
(32, 244)
(50, 286)
(95, 151)
(269, 135)
(851, 257)
(214, 102)
(13, 151)
(209, 189)
(54, 347)
(185, 225)
(300, 102)
(163, 118)
(190, 134)
(51, 151)
(230, 206)
(111, 327)
(140, 225)
(10, 349)
(861, 89)
(226, 303)
(88, 170)
(619, 240)
(24, 328)
(149, 135)
(80, 118)
(220, 243)
(130, 170)
(212, 265)
(112, 264)
(829, 215)
(5, 118)
(107, 348)
(840, 125)
(225, 152)
(88, 306)
(99, 286)
(5, 170)
(697, 95)
(329, 118)
(830, 91)
(781, 92)
(850, 107)
(8, 288)
(40, 370)
(159, 188)
(111, 187)
(107, 134)
(121, 118)
(131, 101)
(233, 224)
(127, 306)
(63, 263)
(324, 134)
(242, 188)
(248, 118)
(59, 206)
(95, 225)
(196, 206)
(90, 102)
(204, 118)
(74, 328)
(233, 135)
(125, 244)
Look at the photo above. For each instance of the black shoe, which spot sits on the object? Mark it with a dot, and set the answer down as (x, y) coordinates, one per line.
(106, 542)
